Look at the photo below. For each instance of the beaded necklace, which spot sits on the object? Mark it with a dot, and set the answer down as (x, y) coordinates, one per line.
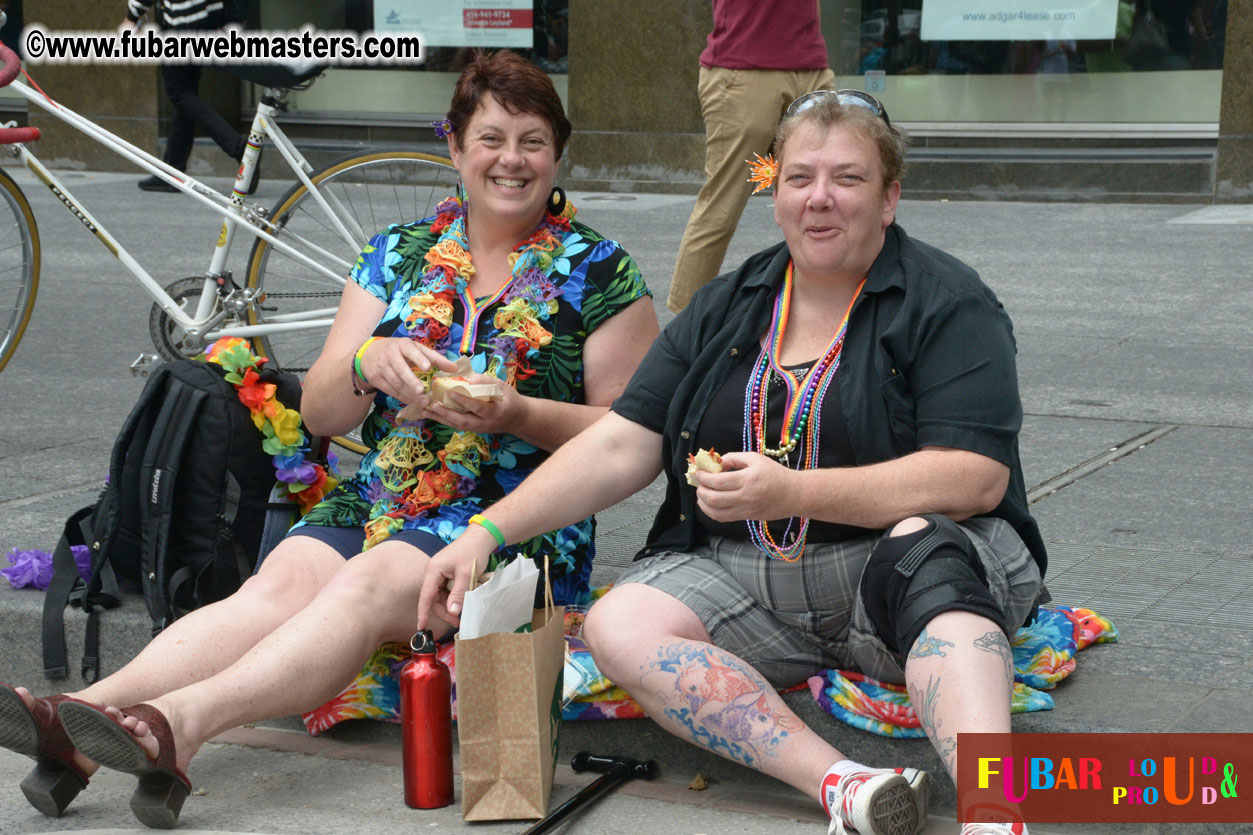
(802, 412)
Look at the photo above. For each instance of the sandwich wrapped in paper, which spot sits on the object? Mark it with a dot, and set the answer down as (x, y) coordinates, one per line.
(455, 381)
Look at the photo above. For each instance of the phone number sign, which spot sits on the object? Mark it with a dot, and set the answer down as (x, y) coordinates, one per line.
(460, 22)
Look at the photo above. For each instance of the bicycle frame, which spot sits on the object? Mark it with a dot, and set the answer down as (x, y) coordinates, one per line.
(236, 214)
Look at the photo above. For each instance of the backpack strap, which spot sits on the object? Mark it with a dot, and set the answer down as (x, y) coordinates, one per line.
(209, 583)
(227, 536)
(84, 527)
(158, 475)
(64, 580)
(106, 594)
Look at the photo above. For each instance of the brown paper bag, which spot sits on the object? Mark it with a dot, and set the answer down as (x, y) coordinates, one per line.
(508, 717)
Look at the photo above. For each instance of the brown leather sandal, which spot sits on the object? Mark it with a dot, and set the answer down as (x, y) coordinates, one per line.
(36, 732)
(162, 788)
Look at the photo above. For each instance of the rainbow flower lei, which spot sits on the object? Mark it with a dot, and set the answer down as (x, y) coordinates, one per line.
(298, 479)
(415, 478)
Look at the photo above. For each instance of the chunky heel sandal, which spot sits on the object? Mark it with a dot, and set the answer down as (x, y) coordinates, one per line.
(158, 799)
(51, 785)
(36, 732)
(162, 788)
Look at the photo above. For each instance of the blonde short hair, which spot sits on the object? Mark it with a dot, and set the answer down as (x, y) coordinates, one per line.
(827, 112)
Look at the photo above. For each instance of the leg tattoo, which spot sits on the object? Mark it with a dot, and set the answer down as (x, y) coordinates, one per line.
(925, 705)
(723, 703)
(996, 643)
(929, 645)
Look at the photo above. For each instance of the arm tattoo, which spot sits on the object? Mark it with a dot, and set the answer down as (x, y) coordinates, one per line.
(995, 643)
(929, 645)
(724, 704)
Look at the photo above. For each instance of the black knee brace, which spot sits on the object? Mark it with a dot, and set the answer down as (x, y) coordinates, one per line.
(910, 579)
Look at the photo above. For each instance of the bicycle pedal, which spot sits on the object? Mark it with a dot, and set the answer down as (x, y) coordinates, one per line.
(143, 365)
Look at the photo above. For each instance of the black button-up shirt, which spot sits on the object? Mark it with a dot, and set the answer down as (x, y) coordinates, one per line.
(928, 360)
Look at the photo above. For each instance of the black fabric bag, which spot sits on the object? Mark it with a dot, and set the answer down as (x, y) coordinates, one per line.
(183, 513)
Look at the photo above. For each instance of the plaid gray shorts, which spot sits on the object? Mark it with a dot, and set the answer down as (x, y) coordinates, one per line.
(790, 620)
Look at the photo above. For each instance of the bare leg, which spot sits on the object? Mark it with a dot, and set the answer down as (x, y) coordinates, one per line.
(960, 672)
(208, 640)
(307, 660)
(699, 692)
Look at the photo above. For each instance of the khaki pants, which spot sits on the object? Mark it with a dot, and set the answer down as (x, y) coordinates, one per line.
(741, 109)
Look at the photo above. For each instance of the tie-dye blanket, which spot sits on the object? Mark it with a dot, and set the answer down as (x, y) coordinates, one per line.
(1044, 654)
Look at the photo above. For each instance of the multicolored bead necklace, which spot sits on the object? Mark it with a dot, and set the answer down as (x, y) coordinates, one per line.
(802, 412)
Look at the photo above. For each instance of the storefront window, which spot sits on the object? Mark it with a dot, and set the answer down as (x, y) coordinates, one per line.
(537, 29)
(1029, 61)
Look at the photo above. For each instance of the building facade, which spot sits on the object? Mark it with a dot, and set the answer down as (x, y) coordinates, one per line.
(1109, 99)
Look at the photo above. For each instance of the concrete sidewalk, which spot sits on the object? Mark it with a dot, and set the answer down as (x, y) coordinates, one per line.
(1137, 382)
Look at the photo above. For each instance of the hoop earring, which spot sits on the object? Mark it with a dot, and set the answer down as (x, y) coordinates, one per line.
(556, 201)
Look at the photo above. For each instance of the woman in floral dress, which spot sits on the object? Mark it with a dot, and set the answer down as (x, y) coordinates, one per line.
(540, 306)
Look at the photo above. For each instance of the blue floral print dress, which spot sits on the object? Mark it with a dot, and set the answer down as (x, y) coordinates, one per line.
(567, 280)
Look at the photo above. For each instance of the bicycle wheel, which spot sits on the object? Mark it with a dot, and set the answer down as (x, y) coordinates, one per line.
(19, 265)
(369, 192)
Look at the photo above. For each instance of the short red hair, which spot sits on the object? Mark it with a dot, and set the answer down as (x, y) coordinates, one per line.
(518, 85)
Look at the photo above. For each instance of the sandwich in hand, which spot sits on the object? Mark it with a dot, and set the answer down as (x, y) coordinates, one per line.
(444, 382)
(706, 460)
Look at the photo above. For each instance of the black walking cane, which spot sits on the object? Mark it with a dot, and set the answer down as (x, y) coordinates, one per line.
(613, 770)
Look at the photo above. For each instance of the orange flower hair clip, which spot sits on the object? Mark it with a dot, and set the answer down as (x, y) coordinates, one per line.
(765, 170)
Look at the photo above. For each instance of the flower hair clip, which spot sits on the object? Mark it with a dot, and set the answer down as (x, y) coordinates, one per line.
(443, 128)
(765, 170)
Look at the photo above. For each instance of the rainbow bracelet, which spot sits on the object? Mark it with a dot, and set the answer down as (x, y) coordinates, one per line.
(490, 526)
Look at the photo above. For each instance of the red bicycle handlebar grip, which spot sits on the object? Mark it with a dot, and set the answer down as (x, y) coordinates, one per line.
(11, 65)
(12, 136)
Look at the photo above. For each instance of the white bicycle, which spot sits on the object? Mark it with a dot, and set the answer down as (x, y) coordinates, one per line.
(300, 259)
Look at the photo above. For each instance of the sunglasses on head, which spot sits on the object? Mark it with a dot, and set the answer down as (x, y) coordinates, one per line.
(853, 98)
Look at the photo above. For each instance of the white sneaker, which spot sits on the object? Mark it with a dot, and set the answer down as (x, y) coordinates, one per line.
(919, 787)
(872, 803)
(994, 829)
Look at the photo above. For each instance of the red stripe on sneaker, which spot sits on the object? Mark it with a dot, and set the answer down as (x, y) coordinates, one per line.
(829, 793)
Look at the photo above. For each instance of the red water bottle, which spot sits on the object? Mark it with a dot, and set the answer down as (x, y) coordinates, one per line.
(426, 726)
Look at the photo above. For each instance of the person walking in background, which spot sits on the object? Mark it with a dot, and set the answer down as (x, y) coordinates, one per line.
(182, 82)
(761, 55)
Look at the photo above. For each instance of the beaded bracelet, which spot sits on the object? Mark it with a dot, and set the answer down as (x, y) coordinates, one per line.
(356, 368)
(489, 526)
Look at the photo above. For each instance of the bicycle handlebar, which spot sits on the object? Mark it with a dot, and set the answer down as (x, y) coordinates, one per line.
(12, 65)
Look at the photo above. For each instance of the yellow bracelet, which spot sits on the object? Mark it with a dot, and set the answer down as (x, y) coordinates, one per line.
(356, 359)
(490, 527)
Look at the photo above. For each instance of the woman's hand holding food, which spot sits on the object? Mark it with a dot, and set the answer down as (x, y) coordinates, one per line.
(750, 486)
(390, 365)
(508, 411)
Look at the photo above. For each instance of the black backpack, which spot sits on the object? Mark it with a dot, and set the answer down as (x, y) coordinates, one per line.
(186, 512)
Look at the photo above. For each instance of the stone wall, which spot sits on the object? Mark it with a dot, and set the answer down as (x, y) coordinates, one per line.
(633, 73)
(1233, 180)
